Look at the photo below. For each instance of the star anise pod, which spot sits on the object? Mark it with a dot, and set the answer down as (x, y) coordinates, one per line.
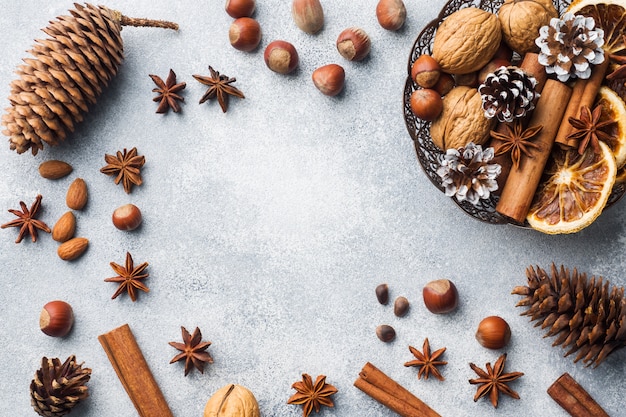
(193, 351)
(126, 166)
(517, 141)
(426, 361)
(587, 129)
(26, 221)
(219, 86)
(494, 381)
(312, 395)
(168, 90)
(129, 277)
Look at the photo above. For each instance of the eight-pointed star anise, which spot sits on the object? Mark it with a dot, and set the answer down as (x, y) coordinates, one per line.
(587, 129)
(494, 381)
(620, 60)
(517, 141)
(219, 86)
(26, 221)
(126, 166)
(129, 277)
(168, 92)
(312, 395)
(193, 351)
(426, 361)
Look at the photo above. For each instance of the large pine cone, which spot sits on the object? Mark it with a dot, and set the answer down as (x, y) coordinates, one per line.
(68, 72)
(508, 93)
(582, 313)
(57, 387)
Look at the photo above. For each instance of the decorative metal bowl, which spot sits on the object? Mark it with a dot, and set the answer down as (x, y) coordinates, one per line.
(427, 153)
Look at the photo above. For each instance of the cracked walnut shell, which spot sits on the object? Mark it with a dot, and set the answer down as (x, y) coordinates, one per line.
(466, 40)
(521, 20)
(462, 120)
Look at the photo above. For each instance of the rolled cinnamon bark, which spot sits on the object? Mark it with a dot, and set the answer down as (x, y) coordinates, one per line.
(584, 93)
(574, 399)
(519, 190)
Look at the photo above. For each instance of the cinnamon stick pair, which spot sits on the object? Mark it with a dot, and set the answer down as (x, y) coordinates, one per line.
(574, 399)
(389, 393)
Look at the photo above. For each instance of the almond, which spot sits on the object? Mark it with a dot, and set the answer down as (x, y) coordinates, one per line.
(73, 248)
(76, 197)
(64, 228)
(54, 169)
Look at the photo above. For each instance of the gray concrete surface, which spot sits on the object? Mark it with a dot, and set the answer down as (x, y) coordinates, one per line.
(270, 226)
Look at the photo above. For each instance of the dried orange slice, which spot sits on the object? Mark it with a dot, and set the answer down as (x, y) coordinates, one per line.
(610, 15)
(614, 108)
(575, 191)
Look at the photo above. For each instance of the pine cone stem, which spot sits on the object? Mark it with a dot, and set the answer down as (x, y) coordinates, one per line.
(140, 22)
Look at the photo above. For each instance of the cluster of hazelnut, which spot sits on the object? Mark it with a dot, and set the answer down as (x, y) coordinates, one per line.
(282, 57)
(440, 297)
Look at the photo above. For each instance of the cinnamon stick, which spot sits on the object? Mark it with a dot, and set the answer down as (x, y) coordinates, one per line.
(574, 399)
(531, 66)
(584, 93)
(132, 370)
(373, 382)
(520, 187)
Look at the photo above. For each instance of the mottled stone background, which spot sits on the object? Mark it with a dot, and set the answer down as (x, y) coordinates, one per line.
(270, 226)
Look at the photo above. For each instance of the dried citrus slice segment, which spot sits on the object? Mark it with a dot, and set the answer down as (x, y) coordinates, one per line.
(575, 191)
(610, 15)
(614, 108)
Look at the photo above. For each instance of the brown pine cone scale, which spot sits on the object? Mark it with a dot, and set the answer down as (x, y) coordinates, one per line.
(584, 314)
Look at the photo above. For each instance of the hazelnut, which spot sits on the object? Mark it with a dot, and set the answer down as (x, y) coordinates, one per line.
(308, 15)
(329, 79)
(385, 333)
(56, 318)
(445, 84)
(493, 332)
(240, 8)
(426, 104)
(245, 34)
(440, 296)
(281, 57)
(425, 71)
(491, 66)
(127, 217)
(401, 306)
(353, 44)
(382, 293)
(391, 14)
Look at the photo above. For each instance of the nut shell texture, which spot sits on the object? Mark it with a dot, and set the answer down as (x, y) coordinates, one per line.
(462, 120)
(354, 44)
(329, 79)
(127, 217)
(440, 296)
(391, 14)
(240, 8)
(493, 332)
(244, 34)
(466, 40)
(308, 15)
(281, 57)
(521, 20)
(56, 318)
(232, 401)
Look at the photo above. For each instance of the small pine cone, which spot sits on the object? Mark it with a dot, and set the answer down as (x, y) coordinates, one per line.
(466, 174)
(582, 313)
(57, 387)
(570, 45)
(508, 93)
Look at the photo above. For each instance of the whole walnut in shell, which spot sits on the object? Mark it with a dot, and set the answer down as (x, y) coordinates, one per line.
(521, 20)
(466, 40)
(462, 120)
(232, 401)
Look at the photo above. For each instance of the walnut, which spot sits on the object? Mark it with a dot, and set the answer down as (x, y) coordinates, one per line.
(466, 40)
(232, 401)
(521, 20)
(462, 120)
